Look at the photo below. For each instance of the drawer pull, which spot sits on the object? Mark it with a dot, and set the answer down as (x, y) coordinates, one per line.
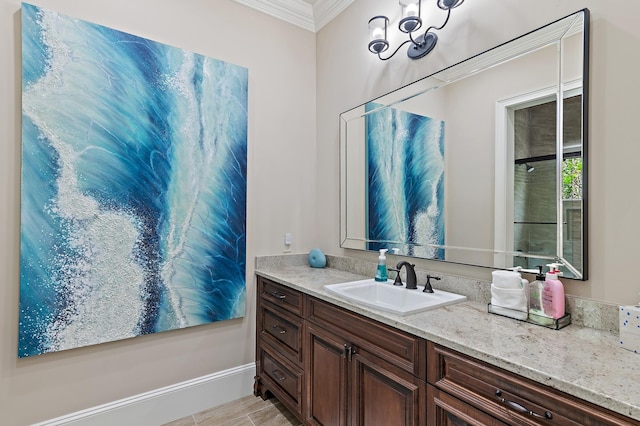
(279, 295)
(278, 375)
(521, 408)
(280, 329)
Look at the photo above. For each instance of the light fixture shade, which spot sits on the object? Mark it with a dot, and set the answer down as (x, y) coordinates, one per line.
(410, 16)
(449, 4)
(378, 34)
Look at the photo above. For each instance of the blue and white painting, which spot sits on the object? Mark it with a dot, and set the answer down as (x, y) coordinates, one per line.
(134, 158)
(405, 182)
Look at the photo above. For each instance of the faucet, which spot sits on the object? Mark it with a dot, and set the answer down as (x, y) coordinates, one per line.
(411, 274)
(427, 286)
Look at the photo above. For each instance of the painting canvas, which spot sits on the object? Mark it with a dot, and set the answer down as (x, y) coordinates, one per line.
(133, 208)
(405, 182)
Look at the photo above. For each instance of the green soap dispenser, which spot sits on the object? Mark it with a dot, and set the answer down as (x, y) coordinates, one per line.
(381, 273)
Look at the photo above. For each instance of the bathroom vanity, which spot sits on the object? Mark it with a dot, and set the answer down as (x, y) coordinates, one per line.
(332, 362)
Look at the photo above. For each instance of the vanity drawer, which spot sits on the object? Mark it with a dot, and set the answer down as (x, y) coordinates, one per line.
(280, 295)
(282, 330)
(285, 380)
(509, 397)
(402, 349)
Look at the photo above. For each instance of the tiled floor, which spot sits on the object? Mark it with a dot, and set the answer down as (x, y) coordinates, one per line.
(247, 411)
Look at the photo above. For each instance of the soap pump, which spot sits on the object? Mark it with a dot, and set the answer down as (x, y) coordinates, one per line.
(381, 273)
(536, 303)
(535, 293)
(553, 295)
(555, 269)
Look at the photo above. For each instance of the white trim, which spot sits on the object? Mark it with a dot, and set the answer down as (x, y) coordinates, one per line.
(325, 10)
(166, 404)
(296, 12)
(504, 159)
(299, 12)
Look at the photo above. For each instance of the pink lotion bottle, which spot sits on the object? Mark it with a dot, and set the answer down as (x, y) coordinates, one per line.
(553, 295)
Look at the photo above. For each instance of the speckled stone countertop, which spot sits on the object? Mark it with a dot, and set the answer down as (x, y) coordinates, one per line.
(583, 362)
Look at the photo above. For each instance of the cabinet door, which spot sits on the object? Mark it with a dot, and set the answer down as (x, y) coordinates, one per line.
(446, 410)
(327, 379)
(382, 394)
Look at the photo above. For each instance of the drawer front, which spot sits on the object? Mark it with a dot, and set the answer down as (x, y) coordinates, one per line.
(282, 330)
(280, 295)
(443, 409)
(284, 380)
(401, 349)
(509, 397)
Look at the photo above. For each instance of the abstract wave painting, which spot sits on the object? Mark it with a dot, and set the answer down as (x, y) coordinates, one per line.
(134, 158)
(405, 182)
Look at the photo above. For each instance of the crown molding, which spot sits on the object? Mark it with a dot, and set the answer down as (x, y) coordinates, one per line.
(325, 10)
(296, 12)
(299, 12)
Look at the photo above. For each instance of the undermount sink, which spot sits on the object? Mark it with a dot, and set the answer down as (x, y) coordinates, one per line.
(396, 299)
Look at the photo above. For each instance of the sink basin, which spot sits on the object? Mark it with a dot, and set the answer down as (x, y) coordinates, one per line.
(387, 297)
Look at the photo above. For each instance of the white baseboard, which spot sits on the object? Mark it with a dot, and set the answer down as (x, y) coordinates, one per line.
(166, 404)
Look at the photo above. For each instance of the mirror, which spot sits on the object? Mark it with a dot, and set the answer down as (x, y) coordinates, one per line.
(483, 163)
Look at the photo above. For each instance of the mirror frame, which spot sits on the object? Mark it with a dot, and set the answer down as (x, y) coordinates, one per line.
(546, 35)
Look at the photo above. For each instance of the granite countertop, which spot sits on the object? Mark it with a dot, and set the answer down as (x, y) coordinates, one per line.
(580, 361)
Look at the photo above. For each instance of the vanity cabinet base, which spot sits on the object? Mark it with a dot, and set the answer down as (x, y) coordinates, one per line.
(332, 367)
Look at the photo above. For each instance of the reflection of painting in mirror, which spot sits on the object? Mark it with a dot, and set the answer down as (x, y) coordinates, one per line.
(405, 182)
(535, 182)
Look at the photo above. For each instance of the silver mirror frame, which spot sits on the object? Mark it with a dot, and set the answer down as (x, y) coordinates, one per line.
(551, 33)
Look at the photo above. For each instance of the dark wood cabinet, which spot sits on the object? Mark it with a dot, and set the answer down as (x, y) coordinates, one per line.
(333, 367)
(384, 394)
(326, 369)
(375, 367)
(446, 410)
(477, 387)
(347, 384)
(279, 345)
(280, 377)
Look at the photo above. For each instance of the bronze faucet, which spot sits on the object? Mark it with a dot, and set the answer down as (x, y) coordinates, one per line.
(411, 274)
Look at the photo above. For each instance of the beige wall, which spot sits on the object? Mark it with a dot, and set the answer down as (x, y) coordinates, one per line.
(349, 75)
(292, 93)
(280, 58)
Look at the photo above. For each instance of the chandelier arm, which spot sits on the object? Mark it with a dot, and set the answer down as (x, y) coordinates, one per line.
(396, 51)
(433, 27)
(413, 40)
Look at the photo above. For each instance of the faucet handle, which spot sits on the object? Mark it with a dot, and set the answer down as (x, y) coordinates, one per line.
(427, 286)
(398, 280)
